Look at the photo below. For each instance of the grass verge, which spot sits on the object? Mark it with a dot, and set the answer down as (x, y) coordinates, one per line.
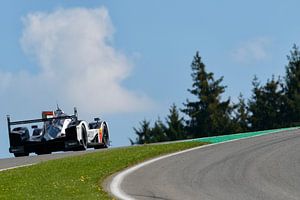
(78, 177)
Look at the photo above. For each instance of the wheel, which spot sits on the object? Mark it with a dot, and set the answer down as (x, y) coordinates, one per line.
(21, 154)
(84, 139)
(105, 138)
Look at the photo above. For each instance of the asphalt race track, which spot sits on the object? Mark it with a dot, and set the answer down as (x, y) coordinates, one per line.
(7, 163)
(265, 167)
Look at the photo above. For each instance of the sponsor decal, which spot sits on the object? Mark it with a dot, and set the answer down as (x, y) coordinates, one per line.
(100, 135)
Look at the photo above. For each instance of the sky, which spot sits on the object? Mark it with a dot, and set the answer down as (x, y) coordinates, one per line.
(126, 61)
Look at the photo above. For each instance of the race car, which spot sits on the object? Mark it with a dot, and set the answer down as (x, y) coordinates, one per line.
(57, 132)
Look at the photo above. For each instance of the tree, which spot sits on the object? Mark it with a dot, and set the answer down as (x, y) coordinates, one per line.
(175, 125)
(147, 134)
(267, 105)
(241, 117)
(158, 132)
(255, 104)
(207, 114)
(292, 86)
(143, 133)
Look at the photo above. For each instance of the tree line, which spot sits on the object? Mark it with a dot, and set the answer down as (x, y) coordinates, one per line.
(275, 104)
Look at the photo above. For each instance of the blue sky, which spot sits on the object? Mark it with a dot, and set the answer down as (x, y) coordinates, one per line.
(130, 60)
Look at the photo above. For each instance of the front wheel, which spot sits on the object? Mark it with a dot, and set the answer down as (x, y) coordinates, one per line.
(105, 136)
(83, 140)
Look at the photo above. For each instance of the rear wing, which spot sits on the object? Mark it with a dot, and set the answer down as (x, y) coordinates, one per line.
(44, 119)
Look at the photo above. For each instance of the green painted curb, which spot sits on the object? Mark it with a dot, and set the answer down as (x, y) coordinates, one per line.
(223, 138)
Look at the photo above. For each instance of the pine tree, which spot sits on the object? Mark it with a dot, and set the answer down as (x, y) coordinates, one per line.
(207, 114)
(175, 125)
(143, 133)
(255, 104)
(267, 105)
(241, 118)
(292, 86)
(158, 132)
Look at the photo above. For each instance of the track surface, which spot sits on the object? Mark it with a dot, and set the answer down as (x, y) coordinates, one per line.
(7, 163)
(265, 167)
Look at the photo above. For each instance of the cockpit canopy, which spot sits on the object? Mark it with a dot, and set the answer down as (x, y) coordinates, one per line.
(54, 128)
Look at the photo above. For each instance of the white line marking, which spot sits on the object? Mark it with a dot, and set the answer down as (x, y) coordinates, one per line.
(115, 185)
(16, 167)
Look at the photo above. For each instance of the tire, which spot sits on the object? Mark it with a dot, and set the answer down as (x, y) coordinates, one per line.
(21, 154)
(105, 136)
(84, 139)
(105, 139)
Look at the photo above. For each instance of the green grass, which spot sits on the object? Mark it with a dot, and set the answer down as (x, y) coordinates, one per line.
(78, 177)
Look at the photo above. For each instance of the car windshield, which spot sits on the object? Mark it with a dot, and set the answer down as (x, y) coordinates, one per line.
(54, 127)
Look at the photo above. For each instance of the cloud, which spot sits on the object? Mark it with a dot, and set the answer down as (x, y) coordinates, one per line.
(77, 64)
(252, 50)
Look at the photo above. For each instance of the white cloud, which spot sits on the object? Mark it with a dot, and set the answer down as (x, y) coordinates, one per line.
(252, 50)
(77, 64)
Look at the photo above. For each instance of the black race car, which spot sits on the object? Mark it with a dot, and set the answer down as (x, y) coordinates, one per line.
(57, 132)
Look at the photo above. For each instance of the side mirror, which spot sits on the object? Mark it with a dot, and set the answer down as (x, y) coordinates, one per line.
(97, 119)
(34, 126)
